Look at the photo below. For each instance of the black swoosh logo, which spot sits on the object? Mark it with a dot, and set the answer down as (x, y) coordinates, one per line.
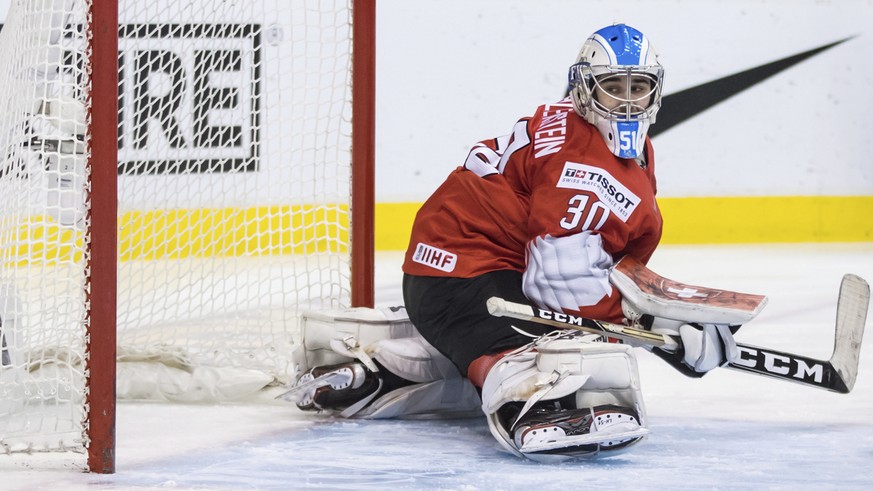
(684, 105)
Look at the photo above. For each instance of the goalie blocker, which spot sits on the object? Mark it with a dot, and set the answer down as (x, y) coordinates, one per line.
(704, 320)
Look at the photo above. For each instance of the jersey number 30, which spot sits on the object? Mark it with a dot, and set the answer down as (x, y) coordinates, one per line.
(579, 209)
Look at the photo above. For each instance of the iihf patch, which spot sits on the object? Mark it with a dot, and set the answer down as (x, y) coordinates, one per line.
(435, 257)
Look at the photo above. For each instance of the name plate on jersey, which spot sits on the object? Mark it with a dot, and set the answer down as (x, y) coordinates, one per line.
(619, 199)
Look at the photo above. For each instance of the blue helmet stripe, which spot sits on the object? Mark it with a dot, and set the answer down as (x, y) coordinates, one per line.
(625, 50)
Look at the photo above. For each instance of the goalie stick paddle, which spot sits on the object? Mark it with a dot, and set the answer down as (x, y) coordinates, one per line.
(837, 374)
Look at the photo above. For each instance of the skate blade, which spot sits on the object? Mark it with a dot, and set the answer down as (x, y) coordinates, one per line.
(604, 438)
(335, 379)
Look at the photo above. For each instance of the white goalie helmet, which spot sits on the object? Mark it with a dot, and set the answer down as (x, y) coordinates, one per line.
(616, 85)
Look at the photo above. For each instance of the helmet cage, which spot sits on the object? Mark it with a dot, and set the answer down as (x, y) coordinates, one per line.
(586, 79)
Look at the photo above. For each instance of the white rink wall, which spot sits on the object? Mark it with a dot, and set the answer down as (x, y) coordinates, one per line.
(451, 72)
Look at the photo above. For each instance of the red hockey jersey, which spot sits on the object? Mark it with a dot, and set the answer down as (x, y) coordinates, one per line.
(554, 175)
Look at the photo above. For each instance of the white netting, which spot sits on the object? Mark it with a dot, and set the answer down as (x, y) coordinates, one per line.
(233, 195)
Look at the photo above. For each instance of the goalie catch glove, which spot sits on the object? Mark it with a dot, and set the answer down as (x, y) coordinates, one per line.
(702, 347)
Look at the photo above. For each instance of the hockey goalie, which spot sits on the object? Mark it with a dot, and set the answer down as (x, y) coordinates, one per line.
(560, 217)
(538, 216)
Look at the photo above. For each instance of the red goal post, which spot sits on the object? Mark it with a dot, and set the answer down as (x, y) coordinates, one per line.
(314, 249)
(101, 294)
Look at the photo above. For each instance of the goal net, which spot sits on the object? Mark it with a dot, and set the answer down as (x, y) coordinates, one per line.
(234, 184)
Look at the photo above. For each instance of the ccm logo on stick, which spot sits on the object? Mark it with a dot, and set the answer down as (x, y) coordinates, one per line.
(780, 364)
(561, 317)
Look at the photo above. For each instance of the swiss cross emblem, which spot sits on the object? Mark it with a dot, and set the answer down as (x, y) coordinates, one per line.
(686, 292)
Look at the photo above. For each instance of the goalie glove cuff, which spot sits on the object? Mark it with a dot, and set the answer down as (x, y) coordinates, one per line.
(702, 348)
(708, 346)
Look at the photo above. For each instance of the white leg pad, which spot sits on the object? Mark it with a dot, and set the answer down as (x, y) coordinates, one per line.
(611, 371)
(325, 333)
(551, 368)
(455, 398)
(387, 336)
(439, 390)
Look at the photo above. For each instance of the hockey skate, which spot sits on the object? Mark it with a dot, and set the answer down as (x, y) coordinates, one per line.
(578, 431)
(333, 387)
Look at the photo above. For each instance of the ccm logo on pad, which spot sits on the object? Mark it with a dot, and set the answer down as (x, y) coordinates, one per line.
(435, 258)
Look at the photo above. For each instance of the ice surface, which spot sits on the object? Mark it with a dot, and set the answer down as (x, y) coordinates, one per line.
(729, 430)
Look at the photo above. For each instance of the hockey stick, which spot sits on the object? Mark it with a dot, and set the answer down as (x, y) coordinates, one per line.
(499, 307)
(837, 374)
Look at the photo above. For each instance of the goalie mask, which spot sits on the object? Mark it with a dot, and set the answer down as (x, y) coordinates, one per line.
(615, 85)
